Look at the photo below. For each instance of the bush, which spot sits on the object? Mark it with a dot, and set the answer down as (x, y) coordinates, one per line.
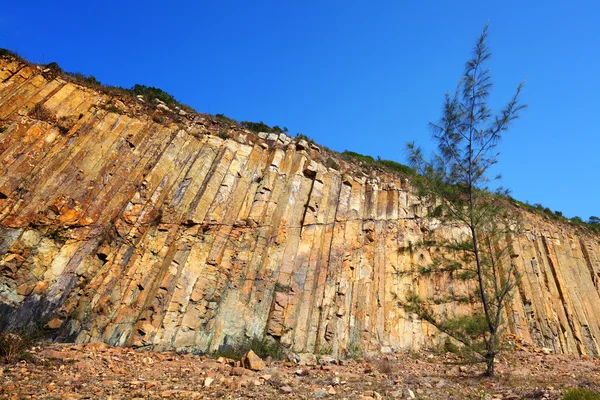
(150, 94)
(54, 67)
(301, 136)
(116, 110)
(263, 348)
(40, 112)
(580, 394)
(396, 167)
(224, 135)
(11, 54)
(225, 119)
(13, 346)
(87, 80)
(370, 162)
(331, 163)
(385, 366)
(257, 127)
(7, 53)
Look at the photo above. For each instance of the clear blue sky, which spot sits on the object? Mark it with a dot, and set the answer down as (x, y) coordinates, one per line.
(360, 75)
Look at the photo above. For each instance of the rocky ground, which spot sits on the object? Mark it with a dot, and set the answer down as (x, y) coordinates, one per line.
(95, 371)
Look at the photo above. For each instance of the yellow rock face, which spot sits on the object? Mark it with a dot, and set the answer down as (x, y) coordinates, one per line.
(118, 229)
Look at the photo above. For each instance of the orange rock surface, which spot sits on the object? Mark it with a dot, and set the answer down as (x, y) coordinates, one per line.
(120, 229)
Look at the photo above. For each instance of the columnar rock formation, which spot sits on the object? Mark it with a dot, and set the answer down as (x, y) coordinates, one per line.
(117, 228)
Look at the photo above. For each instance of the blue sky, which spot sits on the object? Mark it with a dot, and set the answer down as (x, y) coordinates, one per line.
(356, 75)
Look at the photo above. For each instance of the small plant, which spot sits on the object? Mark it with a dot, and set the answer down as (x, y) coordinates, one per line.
(257, 127)
(158, 119)
(3, 128)
(301, 136)
(331, 163)
(11, 54)
(87, 80)
(65, 124)
(385, 366)
(266, 347)
(281, 288)
(151, 94)
(225, 119)
(580, 394)
(40, 112)
(354, 352)
(370, 162)
(13, 346)
(54, 67)
(113, 109)
(224, 135)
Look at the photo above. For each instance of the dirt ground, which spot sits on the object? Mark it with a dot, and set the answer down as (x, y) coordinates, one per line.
(96, 371)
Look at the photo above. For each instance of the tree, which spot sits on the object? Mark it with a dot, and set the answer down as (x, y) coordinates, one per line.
(455, 181)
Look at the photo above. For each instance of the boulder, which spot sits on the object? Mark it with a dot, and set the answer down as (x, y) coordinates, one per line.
(253, 362)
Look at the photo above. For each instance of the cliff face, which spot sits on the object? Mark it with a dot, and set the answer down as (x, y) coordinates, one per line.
(120, 229)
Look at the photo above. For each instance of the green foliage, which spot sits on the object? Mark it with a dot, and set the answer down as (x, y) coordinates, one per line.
(7, 53)
(580, 394)
(354, 351)
(114, 109)
(3, 128)
(591, 225)
(54, 67)
(450, 347)
(301, 136)
(370, 162)
(225, 119)
(82, 78)
(266, 347)
(331, 163)
(257, 127)
(455, 182)
(224, 135)
(395, 166)
(11, 54)
(150, 94)
(358, 157)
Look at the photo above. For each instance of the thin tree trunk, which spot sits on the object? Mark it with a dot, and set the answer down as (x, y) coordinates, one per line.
(490, 358)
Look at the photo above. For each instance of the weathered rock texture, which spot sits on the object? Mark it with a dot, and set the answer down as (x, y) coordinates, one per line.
(119, 229)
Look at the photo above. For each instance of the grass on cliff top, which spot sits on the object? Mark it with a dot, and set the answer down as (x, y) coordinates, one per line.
(592, 225)
(370, 162)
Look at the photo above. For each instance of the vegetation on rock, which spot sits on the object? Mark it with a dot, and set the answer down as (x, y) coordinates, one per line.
(257, 127)
(370, 162)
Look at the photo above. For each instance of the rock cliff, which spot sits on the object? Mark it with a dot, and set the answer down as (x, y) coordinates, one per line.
(119, 225)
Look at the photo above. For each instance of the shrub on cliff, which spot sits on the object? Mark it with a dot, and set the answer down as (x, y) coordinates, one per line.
(40, 112)
(455, 182)
(150, 94)
(371, 162)
(257, 127)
